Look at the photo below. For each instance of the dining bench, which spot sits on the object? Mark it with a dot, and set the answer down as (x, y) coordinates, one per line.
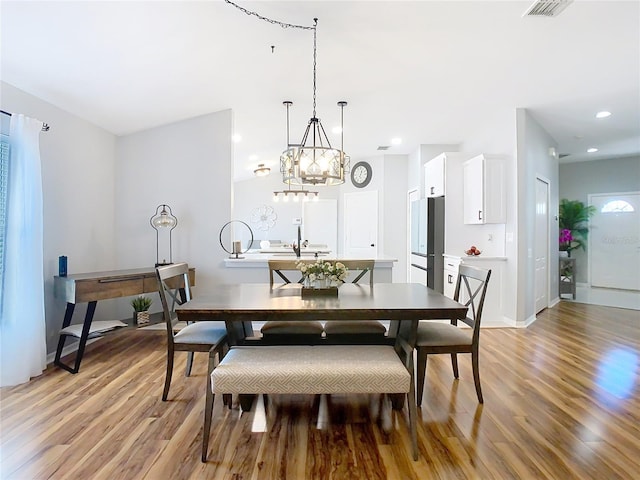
(314, 369)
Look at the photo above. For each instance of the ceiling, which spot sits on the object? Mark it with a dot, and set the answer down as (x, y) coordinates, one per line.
(428, 72)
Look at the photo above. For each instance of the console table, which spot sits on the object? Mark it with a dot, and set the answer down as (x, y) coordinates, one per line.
(91, 287)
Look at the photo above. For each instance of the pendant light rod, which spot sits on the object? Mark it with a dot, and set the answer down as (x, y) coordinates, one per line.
(287, 103)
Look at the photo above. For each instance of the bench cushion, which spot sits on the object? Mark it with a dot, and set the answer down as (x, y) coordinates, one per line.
(293, 369)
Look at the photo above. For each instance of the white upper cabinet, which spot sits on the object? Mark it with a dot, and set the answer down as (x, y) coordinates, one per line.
(434, 176)
(484, 190)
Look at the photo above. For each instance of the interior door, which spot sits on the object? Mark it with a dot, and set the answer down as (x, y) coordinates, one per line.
(361, 224)
(542, 245)
(614, 240)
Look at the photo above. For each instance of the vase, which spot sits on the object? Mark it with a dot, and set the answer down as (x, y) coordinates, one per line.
(320, 283)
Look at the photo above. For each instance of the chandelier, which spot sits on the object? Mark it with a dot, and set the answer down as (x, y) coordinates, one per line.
(314, 161)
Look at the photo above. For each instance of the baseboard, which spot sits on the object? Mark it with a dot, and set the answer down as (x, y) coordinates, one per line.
(526, 323)
(71, 348)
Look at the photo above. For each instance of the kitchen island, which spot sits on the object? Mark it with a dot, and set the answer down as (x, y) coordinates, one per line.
(254, 267)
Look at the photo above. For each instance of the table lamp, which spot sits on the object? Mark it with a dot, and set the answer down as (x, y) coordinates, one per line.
(163, 219)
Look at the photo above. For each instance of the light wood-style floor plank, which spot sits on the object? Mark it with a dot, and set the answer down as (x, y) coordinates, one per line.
(562, 400)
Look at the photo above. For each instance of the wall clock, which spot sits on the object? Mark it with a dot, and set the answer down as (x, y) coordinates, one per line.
(361, 174)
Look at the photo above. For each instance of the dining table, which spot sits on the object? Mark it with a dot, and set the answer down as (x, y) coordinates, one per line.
(239, 305)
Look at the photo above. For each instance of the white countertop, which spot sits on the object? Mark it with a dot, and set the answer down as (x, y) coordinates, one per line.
(480, 258)
(260, 260)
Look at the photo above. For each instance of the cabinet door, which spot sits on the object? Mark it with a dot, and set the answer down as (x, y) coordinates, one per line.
(434, 177)
(473, 191)
(450, 277)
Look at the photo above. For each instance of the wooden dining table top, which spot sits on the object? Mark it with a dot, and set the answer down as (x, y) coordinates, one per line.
(258, 302)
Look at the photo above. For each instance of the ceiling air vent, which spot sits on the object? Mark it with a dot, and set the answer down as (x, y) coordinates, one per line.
(546, 8)
(384, 147)
(562, 155)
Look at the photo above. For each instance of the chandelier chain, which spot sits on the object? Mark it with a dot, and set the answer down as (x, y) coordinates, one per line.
(274, 22)
(315, 54)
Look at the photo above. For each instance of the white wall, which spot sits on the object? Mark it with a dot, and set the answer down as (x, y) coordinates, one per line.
(78, 193)
(186, 165)
(394, 213)
(533, 161)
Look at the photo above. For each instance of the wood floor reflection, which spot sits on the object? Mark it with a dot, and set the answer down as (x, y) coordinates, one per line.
(562, 401)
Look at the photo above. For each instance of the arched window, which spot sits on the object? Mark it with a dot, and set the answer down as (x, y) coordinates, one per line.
(617, 206)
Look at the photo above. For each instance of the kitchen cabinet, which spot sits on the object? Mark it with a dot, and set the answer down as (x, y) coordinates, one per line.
(484, 190)
(451, 265)
(492, 315)
(434, 176)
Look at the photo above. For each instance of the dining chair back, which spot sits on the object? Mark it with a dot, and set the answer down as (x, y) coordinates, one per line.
(340, 331)
(435, 337)
(174, 289)
(286, 332)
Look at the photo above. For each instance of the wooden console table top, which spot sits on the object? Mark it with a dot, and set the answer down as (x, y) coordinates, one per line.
(88, 287)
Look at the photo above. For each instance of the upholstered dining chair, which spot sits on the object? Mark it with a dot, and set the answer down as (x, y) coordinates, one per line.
(435, 337)
(285, 332)
(339, 330)
(173, 285)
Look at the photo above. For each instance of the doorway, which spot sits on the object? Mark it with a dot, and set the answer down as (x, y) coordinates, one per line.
(541, 248)
(614, 241)
(361, 224)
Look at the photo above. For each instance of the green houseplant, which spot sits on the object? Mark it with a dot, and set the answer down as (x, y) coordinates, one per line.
(141, 306)
(573, 223)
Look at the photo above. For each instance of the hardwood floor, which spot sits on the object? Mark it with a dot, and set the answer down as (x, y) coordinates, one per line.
(562, 401)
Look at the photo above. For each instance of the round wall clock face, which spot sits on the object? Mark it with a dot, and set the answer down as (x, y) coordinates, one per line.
(361, 174)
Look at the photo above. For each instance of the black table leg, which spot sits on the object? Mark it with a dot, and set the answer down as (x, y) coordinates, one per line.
(65, 323)
(91, 308)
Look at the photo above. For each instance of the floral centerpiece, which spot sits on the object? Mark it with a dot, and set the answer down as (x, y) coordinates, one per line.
(322, 274)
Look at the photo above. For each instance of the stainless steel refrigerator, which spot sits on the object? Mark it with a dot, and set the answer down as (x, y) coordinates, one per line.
(435, 243)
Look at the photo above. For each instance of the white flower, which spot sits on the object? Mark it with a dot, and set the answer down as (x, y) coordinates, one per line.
(319, 270)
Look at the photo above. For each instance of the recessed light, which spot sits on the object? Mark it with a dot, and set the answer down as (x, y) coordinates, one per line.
(396, 141)
(236, 138)
(336, 130)
(603, 114)
(592, 150)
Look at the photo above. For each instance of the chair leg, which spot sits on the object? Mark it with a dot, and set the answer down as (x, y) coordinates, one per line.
(208, 408)
(476, 374)
(413, 416)
(187, 372)
(454, 364)
(167, 378)
(246, 402)
(421, 371)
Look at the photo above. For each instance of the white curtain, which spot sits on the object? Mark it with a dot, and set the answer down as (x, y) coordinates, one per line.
(23, 350)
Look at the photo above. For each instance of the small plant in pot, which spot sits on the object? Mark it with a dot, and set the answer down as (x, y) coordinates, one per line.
(141, 306)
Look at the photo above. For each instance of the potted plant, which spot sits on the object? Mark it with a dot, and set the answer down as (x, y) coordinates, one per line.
(574, 217)
(141, 306)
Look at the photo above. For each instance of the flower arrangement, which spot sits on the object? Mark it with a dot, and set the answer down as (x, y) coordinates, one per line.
(565, 240)
(327, 272)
